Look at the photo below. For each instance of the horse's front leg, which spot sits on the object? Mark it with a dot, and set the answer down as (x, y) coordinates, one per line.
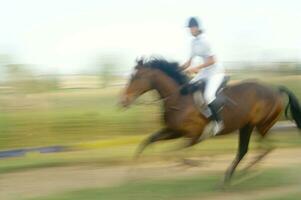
(195, 138)
(189, 143)
(163, 134)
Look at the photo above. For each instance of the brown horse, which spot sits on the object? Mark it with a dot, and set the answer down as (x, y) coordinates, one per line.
(257, 106)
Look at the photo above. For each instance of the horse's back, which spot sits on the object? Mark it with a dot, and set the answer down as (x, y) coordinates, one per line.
(251, 89)
(253, 104)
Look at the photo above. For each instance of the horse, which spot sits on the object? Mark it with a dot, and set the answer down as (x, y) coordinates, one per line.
(258, 106)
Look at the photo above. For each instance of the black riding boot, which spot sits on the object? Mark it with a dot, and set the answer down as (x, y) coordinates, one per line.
(216, 117)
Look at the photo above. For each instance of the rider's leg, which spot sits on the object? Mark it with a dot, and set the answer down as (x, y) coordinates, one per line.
(216, 117)
(211, 87)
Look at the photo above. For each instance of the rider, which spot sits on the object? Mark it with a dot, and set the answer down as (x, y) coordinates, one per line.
(209, 71)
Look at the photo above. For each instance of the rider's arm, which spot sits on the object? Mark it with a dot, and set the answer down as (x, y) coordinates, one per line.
(209, 61)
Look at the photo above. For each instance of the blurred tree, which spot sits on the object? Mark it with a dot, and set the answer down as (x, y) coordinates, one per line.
(298, 67)
(5, 59)
(21, 78)
(107, 67)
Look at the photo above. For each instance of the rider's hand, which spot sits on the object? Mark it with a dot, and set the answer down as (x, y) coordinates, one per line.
(186, 65)
(192, 70)
(183, 68)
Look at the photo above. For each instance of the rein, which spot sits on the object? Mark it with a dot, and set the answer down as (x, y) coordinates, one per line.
(163, 99)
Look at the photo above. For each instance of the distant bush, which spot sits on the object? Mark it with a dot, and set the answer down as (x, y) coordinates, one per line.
(21, 79)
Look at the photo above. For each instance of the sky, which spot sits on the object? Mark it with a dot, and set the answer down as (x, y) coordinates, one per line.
(71, 36)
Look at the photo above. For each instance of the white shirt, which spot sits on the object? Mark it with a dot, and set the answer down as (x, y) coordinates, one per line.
(201, 48)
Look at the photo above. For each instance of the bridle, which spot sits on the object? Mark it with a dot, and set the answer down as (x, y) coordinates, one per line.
(176, 92)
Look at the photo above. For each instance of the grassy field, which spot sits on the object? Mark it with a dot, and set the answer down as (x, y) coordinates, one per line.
(120, 150)
(200, 187)
(70, 116)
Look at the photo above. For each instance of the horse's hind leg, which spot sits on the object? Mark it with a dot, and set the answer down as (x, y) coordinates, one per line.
(244, 139)
(267, 148)
(265, 145)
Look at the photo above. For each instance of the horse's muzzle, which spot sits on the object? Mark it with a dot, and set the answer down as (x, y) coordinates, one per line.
(125, 101)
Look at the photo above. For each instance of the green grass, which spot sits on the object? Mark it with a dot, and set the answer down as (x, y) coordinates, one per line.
(119, 150)
(290, 196)
(71, 117)
(184, 188)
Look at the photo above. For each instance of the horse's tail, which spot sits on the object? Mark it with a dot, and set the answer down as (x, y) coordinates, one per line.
(294, 106)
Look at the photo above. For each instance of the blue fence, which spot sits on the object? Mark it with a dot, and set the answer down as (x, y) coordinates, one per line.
(22, 152)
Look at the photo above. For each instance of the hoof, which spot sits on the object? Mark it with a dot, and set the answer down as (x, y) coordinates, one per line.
(224, 185)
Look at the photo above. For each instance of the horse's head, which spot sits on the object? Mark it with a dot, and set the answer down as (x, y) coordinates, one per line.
(157, 73)
(139, 83)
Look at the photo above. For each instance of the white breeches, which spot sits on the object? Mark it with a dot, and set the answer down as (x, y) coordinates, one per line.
(212, 83)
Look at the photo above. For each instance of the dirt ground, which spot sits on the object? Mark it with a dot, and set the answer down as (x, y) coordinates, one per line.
(40, 182)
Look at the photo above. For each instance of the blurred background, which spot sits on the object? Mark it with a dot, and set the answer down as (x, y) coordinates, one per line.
(64, 63)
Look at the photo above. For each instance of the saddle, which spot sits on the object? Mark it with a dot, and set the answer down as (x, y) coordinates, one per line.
(197, 90)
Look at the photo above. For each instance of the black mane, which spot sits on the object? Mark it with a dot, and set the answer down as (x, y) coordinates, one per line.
(171, 69)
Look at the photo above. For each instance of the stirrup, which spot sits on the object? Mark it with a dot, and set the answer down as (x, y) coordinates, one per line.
(217, 127)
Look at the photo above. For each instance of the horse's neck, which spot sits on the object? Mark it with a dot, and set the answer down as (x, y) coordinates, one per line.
(168, 90)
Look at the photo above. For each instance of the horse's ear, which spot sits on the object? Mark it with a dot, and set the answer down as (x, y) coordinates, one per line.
(140, 61)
